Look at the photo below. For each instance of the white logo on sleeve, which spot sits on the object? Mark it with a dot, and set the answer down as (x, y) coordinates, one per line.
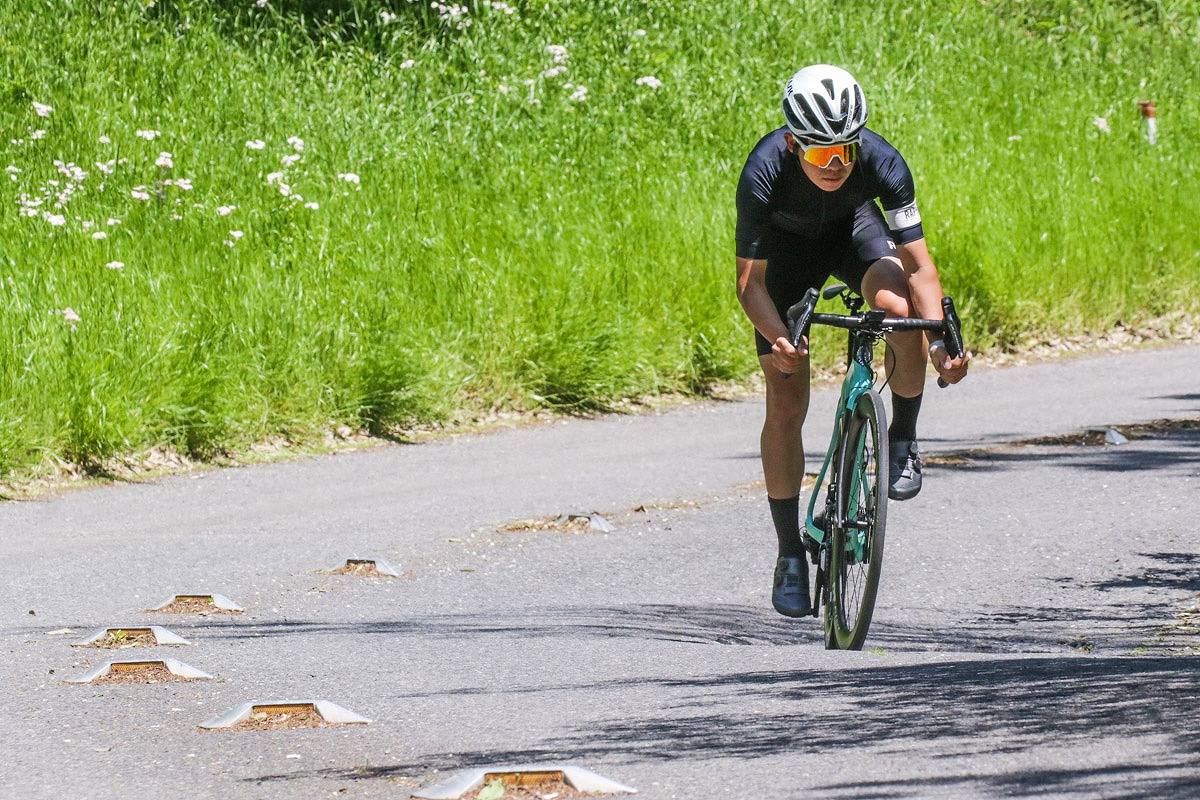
(904, 217)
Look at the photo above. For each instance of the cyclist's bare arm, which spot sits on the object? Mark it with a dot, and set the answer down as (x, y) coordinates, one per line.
(752, 293)
(925, 291)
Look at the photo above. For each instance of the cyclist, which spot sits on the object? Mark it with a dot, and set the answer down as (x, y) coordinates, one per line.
(806, 209)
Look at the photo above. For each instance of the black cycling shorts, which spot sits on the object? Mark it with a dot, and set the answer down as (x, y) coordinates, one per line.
(796, 263)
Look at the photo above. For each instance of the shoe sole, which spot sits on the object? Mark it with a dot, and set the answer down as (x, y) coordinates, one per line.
(793, 613)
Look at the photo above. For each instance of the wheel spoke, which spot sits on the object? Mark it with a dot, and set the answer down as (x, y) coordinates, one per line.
(857, 547)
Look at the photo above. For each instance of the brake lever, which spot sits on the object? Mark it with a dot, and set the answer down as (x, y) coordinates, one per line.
(798, 317)
(953, 333)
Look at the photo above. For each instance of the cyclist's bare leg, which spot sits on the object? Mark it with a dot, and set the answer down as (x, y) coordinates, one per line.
(782, 449)
(885, 286)
(783, 468)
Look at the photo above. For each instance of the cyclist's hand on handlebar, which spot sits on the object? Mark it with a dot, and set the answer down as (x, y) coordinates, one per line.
(787, 359)
(951, 370)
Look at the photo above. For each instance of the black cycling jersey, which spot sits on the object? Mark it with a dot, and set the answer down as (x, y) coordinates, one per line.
(775, 194)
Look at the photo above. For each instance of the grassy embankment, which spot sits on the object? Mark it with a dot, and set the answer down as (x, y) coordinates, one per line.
(224, 222)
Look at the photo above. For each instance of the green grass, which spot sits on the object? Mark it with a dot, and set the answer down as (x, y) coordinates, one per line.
(518, 238)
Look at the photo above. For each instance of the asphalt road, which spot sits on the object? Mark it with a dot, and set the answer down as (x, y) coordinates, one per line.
(1034, 634)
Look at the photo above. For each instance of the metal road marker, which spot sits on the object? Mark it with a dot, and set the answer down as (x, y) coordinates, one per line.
(1109, 435)
(577, 778)
(353, 565)
(161, 636)
(330, 712)
(170, 664)
(218, 601)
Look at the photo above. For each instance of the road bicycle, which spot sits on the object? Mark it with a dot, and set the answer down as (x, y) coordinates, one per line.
(844, 537)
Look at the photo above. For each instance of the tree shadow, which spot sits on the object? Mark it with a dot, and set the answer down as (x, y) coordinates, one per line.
(1180, 573)
(1161, 446)
(711, 624)
(932, 712)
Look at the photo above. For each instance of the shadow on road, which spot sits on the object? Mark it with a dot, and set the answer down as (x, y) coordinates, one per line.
(1033, 706)
(1153, 449)
(1034, 629)
(1180, 573)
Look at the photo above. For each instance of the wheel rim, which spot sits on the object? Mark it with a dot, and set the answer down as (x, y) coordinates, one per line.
(856, 556)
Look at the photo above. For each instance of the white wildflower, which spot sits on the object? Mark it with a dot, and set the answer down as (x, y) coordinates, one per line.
(99, 235)
(579, 95)
(225, 211)
(453, 13)
(558, 52)
(1102, 124)
(42, 110)
(104, 140)
(13, 169)
(69, 315)
(649, 80)
(503, 8)
(284, 189)
(57, 220)
(297, 143)
(289, 160)
(312, 205)
(183, 184)
(150, 135)
(115, 264)
(554, 72)
(640, 32)
(386, 16)
(409, 64)
(255, 144)
(348, 177)
(236, 234)
(36, 134)
(274, 177)
(113, 221)
(71, 170)
(164, 160)
(140, 194)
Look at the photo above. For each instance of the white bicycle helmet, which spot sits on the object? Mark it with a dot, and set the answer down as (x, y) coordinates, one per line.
(824, 105)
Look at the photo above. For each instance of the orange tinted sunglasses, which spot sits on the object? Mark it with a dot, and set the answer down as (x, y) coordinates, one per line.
(822, 155)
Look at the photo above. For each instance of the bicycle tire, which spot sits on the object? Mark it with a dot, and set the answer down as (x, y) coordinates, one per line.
(856, 551)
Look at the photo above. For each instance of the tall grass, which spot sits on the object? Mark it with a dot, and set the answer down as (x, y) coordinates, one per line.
(381, 214)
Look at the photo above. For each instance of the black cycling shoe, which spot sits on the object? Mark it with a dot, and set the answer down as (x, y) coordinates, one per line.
(906, 470)
(790, 595)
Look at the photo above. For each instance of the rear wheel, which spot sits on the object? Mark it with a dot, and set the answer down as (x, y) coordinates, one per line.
(856, 538)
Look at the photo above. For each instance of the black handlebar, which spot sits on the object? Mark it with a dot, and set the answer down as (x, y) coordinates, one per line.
(954, 340)
(802, 313)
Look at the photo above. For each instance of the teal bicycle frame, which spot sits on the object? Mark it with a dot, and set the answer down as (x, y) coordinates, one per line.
(859, 380)
(847, 547)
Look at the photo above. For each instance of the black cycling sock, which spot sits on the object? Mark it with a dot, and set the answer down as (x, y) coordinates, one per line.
(904, 417)
(786, 516)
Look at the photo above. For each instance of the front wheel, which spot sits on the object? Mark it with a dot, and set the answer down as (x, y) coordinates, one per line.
(856, 538)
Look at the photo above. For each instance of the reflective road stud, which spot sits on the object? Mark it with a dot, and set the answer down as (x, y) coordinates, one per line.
(218, 601)
(170, 664)
(577, 778)
(330, 712)
(161, 635)
(382, 567)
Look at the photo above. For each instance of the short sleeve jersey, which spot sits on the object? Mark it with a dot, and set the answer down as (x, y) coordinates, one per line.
(774, 193)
